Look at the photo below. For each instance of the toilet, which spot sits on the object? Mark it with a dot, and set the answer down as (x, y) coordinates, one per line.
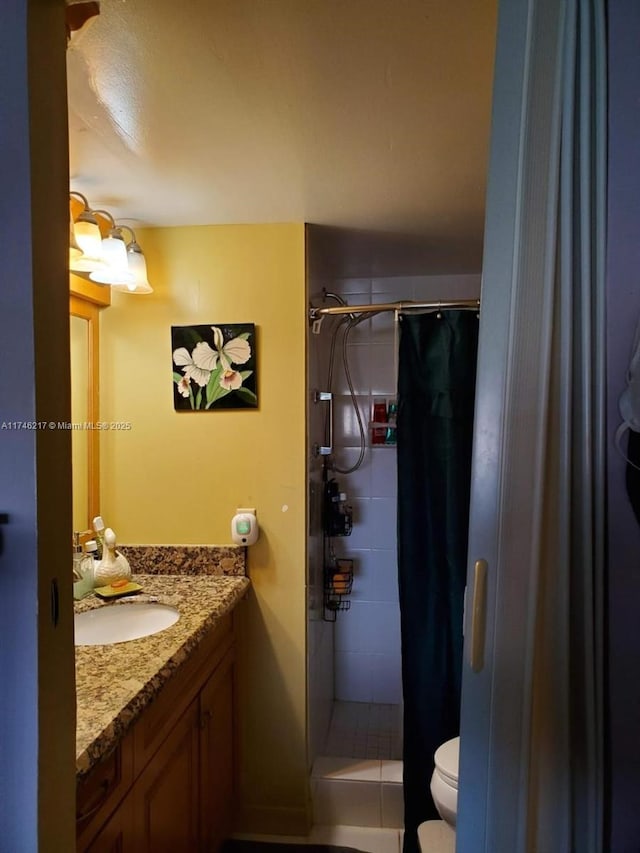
(444, 781)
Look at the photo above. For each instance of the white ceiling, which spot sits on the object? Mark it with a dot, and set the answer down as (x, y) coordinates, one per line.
(358, 114)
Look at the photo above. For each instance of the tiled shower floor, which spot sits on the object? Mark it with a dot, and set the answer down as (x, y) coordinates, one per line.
(365, 730)
(356, 785)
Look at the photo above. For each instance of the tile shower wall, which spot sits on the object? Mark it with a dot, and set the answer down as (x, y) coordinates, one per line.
(367, 637)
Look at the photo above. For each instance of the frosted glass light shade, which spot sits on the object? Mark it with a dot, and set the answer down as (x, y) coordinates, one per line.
(138, 266)
(116, 266)
(114, 252)
(88, 240)
(88, 235)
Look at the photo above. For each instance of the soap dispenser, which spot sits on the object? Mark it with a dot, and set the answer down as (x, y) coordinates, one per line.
(113, 566)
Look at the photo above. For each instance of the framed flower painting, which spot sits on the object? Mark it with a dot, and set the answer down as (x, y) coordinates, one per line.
(214, 367)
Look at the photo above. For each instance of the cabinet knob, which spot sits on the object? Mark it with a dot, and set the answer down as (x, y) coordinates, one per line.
(205, 718)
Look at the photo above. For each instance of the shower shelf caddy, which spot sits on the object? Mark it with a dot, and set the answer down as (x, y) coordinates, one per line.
(337, 522)
(338, 583)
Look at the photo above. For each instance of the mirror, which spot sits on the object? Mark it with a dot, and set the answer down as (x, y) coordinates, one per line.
(84, 332)
(79, 342)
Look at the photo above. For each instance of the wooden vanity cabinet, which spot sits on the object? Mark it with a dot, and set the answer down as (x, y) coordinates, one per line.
(169, 784)
(216, 756)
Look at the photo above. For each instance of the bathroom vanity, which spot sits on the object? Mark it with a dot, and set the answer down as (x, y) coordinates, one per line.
(155, 733)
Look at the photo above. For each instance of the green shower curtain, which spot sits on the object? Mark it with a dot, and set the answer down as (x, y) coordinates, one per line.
(436, 386)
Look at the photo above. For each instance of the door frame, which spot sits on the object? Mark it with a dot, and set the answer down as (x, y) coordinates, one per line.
(510, 416)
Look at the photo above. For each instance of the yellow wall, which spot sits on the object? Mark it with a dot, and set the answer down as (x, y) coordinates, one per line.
(177, 477)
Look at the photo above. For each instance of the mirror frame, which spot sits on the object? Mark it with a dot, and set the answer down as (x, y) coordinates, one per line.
(86, 300)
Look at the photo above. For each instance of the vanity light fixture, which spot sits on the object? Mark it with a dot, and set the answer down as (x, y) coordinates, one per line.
(110, 260)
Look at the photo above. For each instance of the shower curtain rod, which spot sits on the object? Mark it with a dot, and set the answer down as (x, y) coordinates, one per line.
(433, 305)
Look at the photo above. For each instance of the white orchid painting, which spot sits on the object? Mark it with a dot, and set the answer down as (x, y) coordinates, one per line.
(214, 367)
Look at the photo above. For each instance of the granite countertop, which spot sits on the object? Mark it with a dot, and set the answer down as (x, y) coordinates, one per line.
(115, 682)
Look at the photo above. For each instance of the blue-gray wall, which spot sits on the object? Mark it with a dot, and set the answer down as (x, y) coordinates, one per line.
(623, 307)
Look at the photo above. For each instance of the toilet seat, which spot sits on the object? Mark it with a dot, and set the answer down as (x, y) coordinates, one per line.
(446, 759)
(444, 781)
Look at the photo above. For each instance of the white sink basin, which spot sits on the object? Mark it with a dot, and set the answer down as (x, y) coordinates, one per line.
(117, 623)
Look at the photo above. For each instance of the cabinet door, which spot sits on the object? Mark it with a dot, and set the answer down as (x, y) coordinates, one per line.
(116, 836)
(100, 792)
(216, 756)
(165, 797)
